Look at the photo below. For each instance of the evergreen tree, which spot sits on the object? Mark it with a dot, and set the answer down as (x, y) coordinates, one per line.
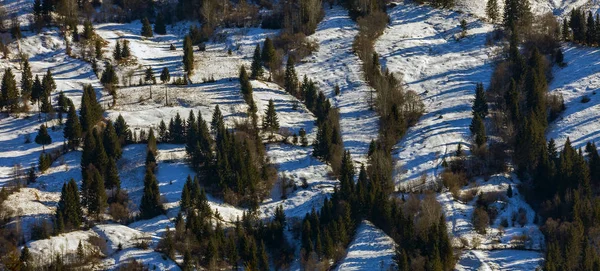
(188, 55)
(478, 130)
(149, 76)
(159, 26)
(122, 129)
(109, 77)
(72, 130)
(257, 70)
(491, 10)
(165, 77)
(43, 138)
(91, 111)
(151, 205)
(268, 53)
(10, 94)
(88, 29)
(69, 208)
(26, 259)
(111, 142)
(480, 106)
(291, 79)
(271, 122)
(48, 83)
(152, 142)
(36, 91)
(125, 51)
(96, 195)
(113, 181)
(146, 28)
(186, 195)
(117, 51)
(217, 119)
(26, 80)
(590, 29)
(98, 50)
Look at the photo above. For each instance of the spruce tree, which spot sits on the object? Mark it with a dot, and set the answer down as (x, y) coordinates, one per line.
(117, 51)
(48, 83)
(159, 25)
(88, 29)
(149, 75)
(26, 80)
(188, 55)
(478, 130)
(36, 91)
(10, 94)
(146, 28)
(111, 142)
(98, 49)
(122, 129)
(217, 119)
(69, 208)
(271, 122)
(72, 130)
(109, 76)
(480, 106)
(165, 77)
(291, 79)
(151, 205)
(125, 51)
(268, 53)
(257, 70)
(152, 142)
(91, 111)
(96, 195)
(113, 181)
(43, 138)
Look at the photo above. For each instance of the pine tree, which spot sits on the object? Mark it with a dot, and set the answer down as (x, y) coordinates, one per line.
(246, 89)
(268, 53)
(165, 77)
(159, 25)
(113, 181)
(152, 142)
(26, 259)
(257, 70)
(88, 29)
(188, 55)
(590, 29)
(69, 208)
(72, 130)
(10, 94)
(151, 205)
(26, 80)
(98, 49)
(347, 177)
(43, 138)
(217, 119)
(117, 51)
(91, 111)
(36, 91)
(125, 51)
(111, 142)
(291, 79)
(48, 83)
(122, 129)
(491, 10)
(146, 28)
(96, 195)
(271, 122)
(480, 106)
(109, 76)
(186, 195)
(149, 76)
(478, 130)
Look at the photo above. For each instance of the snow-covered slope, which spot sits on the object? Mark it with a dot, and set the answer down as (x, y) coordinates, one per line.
(371, 249)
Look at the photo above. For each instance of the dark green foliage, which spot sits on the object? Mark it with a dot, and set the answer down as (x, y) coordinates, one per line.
(149, 76)
(188, 55)
(268, 53)
(478, 130)
(217, 119)
(146, 28)
(42, 137)
(125, 51)
(109, 76)
(151, 204)
(26, 80)
(159, 25)
(69, 208)
(117, 51)
(257, 69)
(517, 15)
(72, 131)
(93, 192)
(113, 181)
(44, 161)
(88, 30)
(291, 78)
(9, 98)
(122, 129)
(91, 111)
(271, 122)
(480, 106)
(165, 77)
(246, 88)
(111, 142)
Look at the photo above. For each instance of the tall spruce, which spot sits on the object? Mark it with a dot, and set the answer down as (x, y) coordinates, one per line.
(271, 121)
(43, 138)
(480, 106)
(72, 131)
(491, 10)
(151, 205)
(188, 55)
(146, 28)
(257, 69)
(9, 98)
(268, 54)
(26, 80)
(91, 111)
(69, 207)
(159, 25)
(291, 78)
(111, 142)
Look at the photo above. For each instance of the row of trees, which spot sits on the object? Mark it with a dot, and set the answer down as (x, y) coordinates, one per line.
(31, 90)
(584, 27)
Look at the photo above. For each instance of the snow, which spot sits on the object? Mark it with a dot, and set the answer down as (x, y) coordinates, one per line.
(371, 249)
(579, 122)
(500, 260)
(335, 63)
(420, 46)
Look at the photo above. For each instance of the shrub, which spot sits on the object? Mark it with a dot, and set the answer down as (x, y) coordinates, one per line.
(585, 99)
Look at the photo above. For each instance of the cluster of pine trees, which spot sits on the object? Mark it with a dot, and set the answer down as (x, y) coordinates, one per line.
(32, 90)
(211, 245)
(582, 27)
